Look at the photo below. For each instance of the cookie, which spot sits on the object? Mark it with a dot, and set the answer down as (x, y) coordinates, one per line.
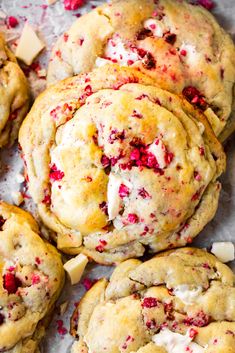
(117, 165)
(181, 46)
(179, 301)
(31, 279)
(14, 93)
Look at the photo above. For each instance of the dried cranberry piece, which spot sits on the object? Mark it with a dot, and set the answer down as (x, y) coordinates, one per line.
(170, 38)
(144, 193)
(2, 221)
(104, 208)
(105, 161)
(124, 191)
(55, 174)
(208, 4)
(88, 283)
(200, 320)
(12, 22)
(132, 218)
(194, 96)
(60, 328)
(2, 318)
(149, 302)
(149, 62)
(144, 33)
(73, 4)
(11, 283)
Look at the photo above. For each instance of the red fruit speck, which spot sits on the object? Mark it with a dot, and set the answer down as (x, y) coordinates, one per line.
(55, 174)
(47, 199)
(2, 318)
(149, 302)
(104, 208)
(11, 283)
(135, 155)
(208, 4)
(2, 221)
(132, 218)
(60, 328)
(88, 283)
(72, 5)
(193, 333)
(105, 161)
(200, 320)
(12, 22)
(144, 193)
(183, 52)
(37, 260)
(124, 191)
(194, 96)
(35, 279)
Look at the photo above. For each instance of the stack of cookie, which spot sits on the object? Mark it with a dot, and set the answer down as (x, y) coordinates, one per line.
(122, 159)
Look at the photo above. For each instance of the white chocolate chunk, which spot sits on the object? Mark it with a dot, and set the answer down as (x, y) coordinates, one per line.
(114, 200)
(20, 178)
(29, 45)
(117, 50)
(75, 268)
(187, 295)
(176, 343)
(17, 197)
(224, 251)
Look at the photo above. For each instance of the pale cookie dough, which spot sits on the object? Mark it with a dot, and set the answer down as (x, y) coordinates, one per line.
(117, 165)
(179, 45)
(31, 278)
(14, 95)
(181, 301)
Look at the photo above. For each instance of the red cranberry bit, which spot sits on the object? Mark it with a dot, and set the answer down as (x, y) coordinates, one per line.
(144, 33)
(55, 174)
(149, 302)
(105, 161)
(170, 38)
(116, 135)
(200, 320)
(151, 324)
(2, 221)
(72, 5)
(80, 41)
(144, 193)
(183, 52)
(47, 199)
(168, 157)
(193, 333)
(11, 283)
(58, 53)
(222, 73)
(88, 283)
(2, 318)
(38, 260)
(137, 115)
(207, 266)
(12, 22)
(104, 208)
(142, 96)
(208, 4)
(60, 328)
(149, 62)
(13, 115)
(35, 279)
(132, 218)
(202, 151)
(197, 176)
(197, 195)
(195, 97)
(66, 37)
(135, 155)
(123, 191)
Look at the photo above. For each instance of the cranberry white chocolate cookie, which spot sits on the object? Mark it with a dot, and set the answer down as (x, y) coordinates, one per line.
(31, 278)
(179, 301)
(14, 95)
(116, 164)
(180, 45)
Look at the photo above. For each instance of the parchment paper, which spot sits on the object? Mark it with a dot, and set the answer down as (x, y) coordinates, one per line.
(51, 21)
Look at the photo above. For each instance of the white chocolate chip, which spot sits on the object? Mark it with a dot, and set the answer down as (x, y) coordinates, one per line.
(75, 268)
(17, 197)
(29, 45)
(224, 251)
(20, 178)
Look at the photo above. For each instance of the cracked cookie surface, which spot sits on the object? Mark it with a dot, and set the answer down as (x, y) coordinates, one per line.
(179, 301)
(31, 279)
(14, 95)
(179, 45)
(116, 164)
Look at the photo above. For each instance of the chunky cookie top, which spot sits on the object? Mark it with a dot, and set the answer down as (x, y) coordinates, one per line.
(116, 164)
(31, 277)
(179, 45)
(179, 301)
(14, 95)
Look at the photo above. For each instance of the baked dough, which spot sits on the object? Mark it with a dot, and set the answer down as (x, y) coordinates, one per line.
(116, 165)
(31, 278)
(14, 95)
(180, 45)
(179, 301)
